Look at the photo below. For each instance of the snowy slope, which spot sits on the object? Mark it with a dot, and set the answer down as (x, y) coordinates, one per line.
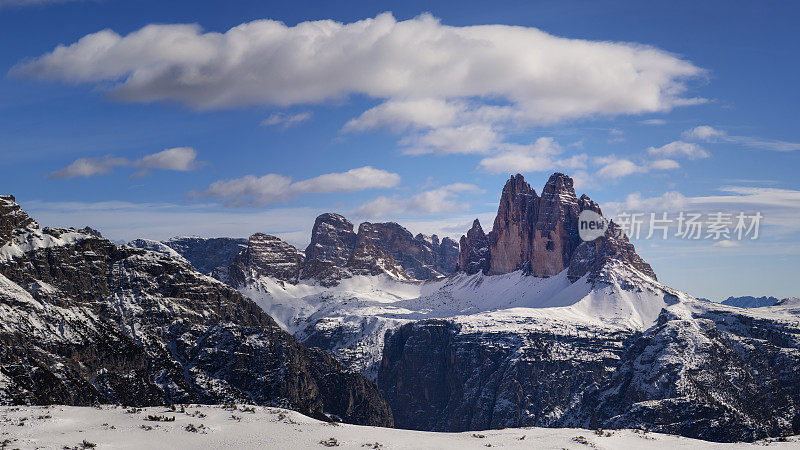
(244, 427)
(351, 319)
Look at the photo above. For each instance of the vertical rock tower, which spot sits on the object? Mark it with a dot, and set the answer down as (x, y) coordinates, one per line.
(539, 234)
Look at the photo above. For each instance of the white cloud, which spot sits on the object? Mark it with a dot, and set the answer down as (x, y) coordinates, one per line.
(432, 201)
(179, 159)
(399, 115)
(703, 133)
(273, 188)
(352, 180)
(470, 138)
(679, 149)
(286, 120)
(709, 134)
(653, 122)
(23, 3)
(617, 168)
(87, 167)
(266, 62)
(542, 155)
(726, 244)
(665, 164)
(459, 89)
(779, 207)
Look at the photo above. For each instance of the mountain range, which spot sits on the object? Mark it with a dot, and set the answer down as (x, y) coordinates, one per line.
(526, 325)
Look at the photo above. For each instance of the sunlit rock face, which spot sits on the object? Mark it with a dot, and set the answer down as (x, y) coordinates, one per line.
(265, 256)
(539, 234)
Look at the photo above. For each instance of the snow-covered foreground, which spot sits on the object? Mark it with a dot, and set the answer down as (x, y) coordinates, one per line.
(243, 427)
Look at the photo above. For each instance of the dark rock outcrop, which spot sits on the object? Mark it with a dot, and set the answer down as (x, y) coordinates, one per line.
(265, 256)
(474, 255)
(86, 321)
(439, 378)
(376, 248)
(12, 218)
(708, 372)
(448, 255)
(716, 374)
(420, 255)
(332, 243)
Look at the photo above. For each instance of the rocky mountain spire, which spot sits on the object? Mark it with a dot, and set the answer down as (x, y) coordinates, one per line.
(540, 234)
(511, 239)
(474, 256)
(332, 243)
(556, 231)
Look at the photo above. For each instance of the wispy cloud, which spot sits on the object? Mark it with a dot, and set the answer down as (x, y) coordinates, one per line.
(706, 133)
(679, 149)
(543, 155)
(177, 159)
(251, 190)
(26, 3)
(444, 199)
(286, 120)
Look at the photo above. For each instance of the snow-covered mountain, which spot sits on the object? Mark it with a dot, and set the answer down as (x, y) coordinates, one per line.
(534, 328)
(537, 328)
(85, 321)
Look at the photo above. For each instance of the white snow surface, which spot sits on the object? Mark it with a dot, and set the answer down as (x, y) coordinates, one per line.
(361, 309)
(33, 239)
(250, 427)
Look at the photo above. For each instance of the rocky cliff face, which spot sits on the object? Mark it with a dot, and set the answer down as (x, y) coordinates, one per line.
(448, 255)
(422, 257)
(712, 372)
(85, 321)
(12, 218)
(556, 236)
(590, 257)
(336, 251)
(703, 371)
(539, 234)
(439, 377)
(265, 256)
(475, 252)
(211, 256)
(512, 238)
(332, 243)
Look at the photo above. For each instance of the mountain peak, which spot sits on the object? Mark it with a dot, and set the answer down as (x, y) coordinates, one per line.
(540, 233)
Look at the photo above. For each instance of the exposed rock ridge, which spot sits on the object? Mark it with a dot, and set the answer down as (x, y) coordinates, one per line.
(85, 321)
(337, 252)
(265, 256)
(475, 254)
(12, 217)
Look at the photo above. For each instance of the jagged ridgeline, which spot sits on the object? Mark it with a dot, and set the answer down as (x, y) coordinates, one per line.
(523, 325)
(85, 321)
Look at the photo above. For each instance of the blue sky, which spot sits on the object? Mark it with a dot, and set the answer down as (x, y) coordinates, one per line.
(414, 116)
